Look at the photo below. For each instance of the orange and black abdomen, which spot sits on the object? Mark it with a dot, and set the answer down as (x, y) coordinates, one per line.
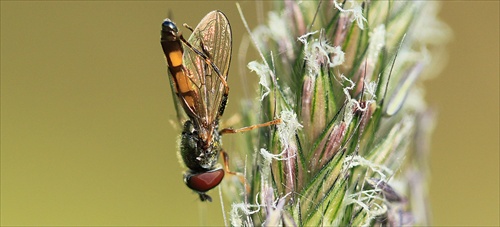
(172, 48)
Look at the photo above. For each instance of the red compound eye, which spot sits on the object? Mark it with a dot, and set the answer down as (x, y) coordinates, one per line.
(202, 182)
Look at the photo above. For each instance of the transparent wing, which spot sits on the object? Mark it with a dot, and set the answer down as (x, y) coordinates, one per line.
(212, 38)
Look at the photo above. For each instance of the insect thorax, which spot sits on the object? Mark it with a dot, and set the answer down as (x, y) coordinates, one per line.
(197, 154)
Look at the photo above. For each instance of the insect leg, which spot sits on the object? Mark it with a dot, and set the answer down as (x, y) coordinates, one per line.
(251, 127)
(225, 156)
(188, 27)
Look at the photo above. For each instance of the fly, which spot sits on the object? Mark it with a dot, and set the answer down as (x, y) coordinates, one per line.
(198, 72)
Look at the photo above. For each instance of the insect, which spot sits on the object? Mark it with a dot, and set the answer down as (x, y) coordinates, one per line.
(198, 72)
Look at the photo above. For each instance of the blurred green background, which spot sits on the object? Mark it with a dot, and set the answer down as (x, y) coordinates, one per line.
(86, 112)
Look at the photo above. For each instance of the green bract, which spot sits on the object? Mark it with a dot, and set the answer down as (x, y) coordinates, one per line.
(346, 79)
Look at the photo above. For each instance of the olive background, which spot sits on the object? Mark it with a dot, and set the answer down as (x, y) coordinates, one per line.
(86, 115)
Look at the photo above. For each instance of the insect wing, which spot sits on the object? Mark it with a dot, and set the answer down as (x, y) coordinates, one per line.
(212, 37)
